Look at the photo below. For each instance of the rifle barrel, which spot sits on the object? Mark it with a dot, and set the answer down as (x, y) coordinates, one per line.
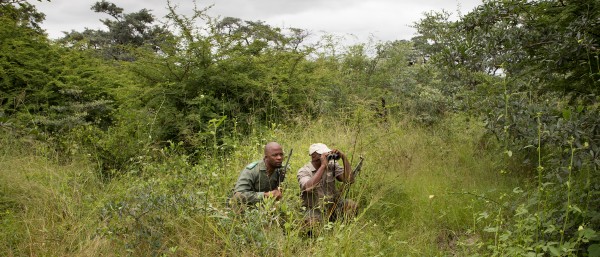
(285, 167)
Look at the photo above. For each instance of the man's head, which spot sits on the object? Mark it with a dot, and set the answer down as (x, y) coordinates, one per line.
(273, 155)
(315, 151)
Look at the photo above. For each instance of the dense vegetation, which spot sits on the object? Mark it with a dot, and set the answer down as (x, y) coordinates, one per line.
(481, 135)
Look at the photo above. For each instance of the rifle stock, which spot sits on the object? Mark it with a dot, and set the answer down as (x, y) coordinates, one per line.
(356, 170)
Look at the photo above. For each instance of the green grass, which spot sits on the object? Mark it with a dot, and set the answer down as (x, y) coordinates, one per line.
(415, 191)
(45, 207)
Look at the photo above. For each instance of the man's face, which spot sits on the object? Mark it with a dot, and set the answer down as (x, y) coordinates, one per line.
(315, 157)
(274, 156)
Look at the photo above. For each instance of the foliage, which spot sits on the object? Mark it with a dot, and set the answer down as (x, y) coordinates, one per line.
(554, 42)
(531, 72)
(125, 31)
(535, 222)
(142, 216)
(23, 13)
(248, 72)
(49, 88)
(165, 115)
(23, 71)
(45, 208)
(172, 203)
(566, 153)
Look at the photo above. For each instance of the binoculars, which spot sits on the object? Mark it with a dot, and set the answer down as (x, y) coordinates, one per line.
(333, 156)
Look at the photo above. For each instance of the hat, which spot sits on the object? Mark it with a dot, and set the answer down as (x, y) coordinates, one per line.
(320, 148)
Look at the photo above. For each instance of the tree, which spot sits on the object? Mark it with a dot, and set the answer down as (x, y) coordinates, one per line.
(22, 13)
(125, 33)
(555, 41)
(543, 109)
(247, 71)
(49, 88)
(23, 71)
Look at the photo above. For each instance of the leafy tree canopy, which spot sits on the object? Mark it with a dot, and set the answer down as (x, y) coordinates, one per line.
(125, 30)
(555, 41)
(22, 12)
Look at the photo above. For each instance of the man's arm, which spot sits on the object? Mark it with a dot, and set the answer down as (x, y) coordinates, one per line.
(347, 175)
(244, 188)
(309, 184)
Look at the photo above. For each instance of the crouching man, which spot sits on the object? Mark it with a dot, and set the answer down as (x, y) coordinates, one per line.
(260, 179)
(317, 182)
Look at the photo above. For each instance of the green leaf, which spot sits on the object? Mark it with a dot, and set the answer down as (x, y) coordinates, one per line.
(491, 229)
(566, 114)
(554, 251)
(550, 229)
(588, 233)
(521, 210)
(594, 250)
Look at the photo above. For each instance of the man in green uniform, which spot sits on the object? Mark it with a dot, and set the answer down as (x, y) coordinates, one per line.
(261, 179)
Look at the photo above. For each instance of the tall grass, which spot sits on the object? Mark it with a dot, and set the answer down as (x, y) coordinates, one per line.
(416, 195)
(46, 209)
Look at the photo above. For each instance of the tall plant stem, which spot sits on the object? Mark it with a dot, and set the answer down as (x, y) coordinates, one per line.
(570, 168)
(540, 168)
(497, 233)
(506, 123)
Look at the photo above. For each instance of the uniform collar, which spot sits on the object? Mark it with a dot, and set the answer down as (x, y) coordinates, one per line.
(262, 165)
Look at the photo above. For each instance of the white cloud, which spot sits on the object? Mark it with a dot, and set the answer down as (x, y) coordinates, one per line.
(384, 19)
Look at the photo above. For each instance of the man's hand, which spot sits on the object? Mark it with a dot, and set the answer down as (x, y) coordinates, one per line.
(342, 155)
(347, 175)
(274, 193)
(324, 160)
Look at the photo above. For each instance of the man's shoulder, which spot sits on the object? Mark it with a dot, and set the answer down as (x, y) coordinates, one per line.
(256, 166)
(307, 168)
(252, 165)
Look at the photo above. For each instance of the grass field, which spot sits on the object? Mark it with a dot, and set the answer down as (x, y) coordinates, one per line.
(420, 191)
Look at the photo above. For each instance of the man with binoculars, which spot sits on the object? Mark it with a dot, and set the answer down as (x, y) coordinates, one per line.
(320, 197)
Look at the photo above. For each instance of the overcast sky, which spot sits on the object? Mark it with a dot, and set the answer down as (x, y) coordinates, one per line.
(354, 19)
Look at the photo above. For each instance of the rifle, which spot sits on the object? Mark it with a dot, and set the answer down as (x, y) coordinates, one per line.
(358, 168)
(355, 173)
(283, 173)
(346, 186)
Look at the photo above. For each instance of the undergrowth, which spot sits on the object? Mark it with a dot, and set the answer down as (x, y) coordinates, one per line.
(415, 193)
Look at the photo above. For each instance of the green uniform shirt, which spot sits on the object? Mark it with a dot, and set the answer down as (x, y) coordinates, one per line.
(253, 182)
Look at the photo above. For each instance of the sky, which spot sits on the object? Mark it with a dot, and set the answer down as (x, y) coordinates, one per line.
(356, 20)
